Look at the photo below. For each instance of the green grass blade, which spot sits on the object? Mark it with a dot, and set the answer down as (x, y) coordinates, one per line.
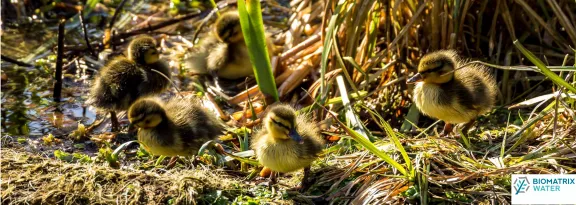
(90, 5)
(370, 146)
(412, 117)
(240, 157)
(390, 132)
(159, 160)
(327, 47)
(503, 148)
(121, 148)
(253, 30)
(393, 136)
(335, 100)
(350, 116)
(543, 69)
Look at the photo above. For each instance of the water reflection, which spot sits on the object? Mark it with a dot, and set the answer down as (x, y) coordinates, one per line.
(27, 106)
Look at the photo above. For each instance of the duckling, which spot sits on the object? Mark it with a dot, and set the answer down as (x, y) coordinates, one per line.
(224, 54)
(123, 80)
(178, 127)
(454, 96)
(288, 142)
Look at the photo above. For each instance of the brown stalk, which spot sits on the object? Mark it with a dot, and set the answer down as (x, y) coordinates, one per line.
(159, 25)
(406, 27)
(444, 37)
(479, 23)
(60, 55)
(462, 20)
(298, 75)
(508, 20)
(253, 91)
(492, 32)
(14, 61)
(559, 40)
(301, 46)
(436, 19)
(223, 115)
(85, 32)
(564, 21)
(108, 36)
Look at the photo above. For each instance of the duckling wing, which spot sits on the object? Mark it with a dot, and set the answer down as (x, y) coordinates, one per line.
(217, 57)
(117, 86)
(476, 88)
(196, 61)
(313, 142)
(194, 123)
(255, 140)
(155, 82)
(310, 149)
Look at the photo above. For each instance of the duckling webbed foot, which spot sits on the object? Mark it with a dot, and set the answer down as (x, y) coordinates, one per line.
(467, 126)
(447, 130)
(305, 183)
(464, 128)
(272, 180)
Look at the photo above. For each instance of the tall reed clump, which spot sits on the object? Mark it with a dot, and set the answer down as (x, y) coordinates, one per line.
(375, 45)
(253, 30)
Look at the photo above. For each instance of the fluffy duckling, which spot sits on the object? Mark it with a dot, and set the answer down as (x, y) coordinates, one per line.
(288, 142)
(123, 80)
(178, 127)
(224, 54)
(454, 96)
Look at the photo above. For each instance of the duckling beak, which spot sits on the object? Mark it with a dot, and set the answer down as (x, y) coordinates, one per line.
(132, 128)
(295, 136)
(414, 79)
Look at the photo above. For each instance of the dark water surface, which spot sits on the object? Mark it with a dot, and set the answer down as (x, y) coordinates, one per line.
(28, 108)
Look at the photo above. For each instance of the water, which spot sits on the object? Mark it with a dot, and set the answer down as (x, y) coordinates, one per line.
(27, 105)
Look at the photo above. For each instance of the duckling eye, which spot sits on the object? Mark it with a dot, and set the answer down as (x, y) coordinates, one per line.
(154, 52)
(280, 124)
(435, 68)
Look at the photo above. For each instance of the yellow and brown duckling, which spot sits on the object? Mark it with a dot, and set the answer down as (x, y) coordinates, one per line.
(178, 127)
(124, 79)
(223, 53)
(450, 93)
(287, 142)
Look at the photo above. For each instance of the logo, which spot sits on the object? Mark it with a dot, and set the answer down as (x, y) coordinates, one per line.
(543, 188)
(521, 185)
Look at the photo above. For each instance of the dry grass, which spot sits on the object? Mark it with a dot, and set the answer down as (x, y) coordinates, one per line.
(31, 179)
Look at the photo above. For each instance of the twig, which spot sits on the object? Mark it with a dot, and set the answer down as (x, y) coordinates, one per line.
(301, 46)
(169, 80)
(216, 91)
(114, 34)
(14, 61)
(199, 29)
(60, 54)
(159, 26)
(118, 10)
(81, 16)
(223, 115)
